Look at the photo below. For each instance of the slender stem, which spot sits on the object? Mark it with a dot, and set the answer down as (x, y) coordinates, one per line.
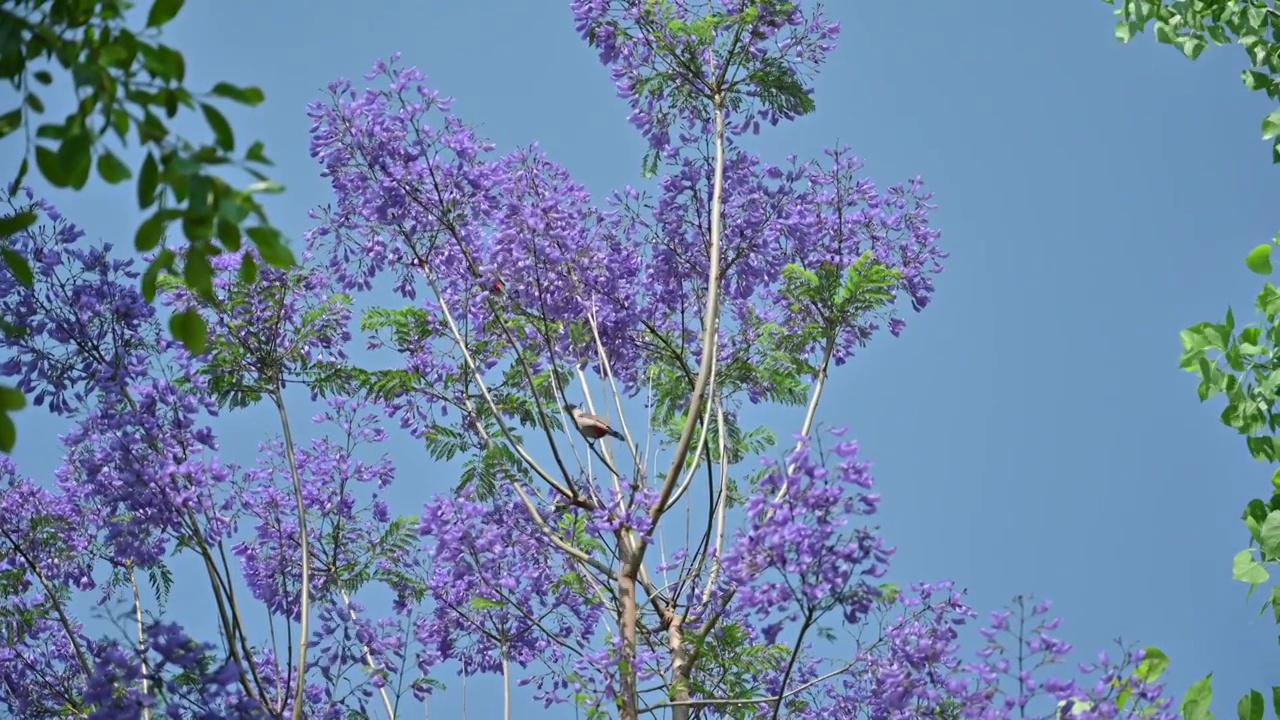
(142, 639)
(506, 683)
(819, 382)
(702, 444)
(369, 662)
(806, 427)
(722, 509)
(235, 616)
(304, 543)
(791, 663)
(710, 324)
(484, 390)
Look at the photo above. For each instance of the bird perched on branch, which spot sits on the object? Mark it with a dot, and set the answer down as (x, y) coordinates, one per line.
(592, 427)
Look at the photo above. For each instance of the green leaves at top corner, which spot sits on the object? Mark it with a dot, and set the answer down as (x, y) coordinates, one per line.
(1259, 259)
(1251, 706)
(162, 11)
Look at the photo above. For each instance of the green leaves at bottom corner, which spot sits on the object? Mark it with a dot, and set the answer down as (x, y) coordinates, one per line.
(1251, 706)
(1195, 704)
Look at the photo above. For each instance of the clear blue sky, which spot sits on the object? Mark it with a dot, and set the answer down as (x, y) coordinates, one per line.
(1031, 430)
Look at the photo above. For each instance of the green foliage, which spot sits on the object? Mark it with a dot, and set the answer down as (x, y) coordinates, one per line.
(836, 299)
(744, 77)
(496, 465)
(1242, 364)
(128, 84)
(240, 372)
(1190, 26)
(733, 666)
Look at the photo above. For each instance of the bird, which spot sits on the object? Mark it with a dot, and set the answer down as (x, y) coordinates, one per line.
(592, 427)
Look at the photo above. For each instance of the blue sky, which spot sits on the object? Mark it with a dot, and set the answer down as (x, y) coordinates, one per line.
(1031, 431)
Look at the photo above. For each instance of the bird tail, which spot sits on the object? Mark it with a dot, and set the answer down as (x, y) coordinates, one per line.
(617, 434)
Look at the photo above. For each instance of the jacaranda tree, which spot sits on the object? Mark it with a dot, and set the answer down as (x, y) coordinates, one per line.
(660, 574)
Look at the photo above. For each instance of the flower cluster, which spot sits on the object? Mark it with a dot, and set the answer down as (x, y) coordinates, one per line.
(523, 269)
(758, 52)
(514, 281)
(187, 679)
(797, 558)
(501, 592)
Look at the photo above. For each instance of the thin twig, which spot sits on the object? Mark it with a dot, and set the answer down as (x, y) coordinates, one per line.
(53, 600)
(304, 543)
(368, 660)
(710, 324)
(142, 639)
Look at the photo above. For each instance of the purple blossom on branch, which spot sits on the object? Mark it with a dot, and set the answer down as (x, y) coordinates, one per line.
(622, 577)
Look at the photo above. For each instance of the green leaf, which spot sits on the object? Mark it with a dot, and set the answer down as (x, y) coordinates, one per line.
(256, 153)
(18, 266)
(1154, 663)
(47, 163)
(248, 270)
(1271, 125)
(1270, 535)
(482, 603)
(250, 96)
(16, 182)
(8, 433)
(162, 11)
(163, 261)
(1195, 704)
(10, 121)
(268, 187)
(149, 233)
(1259, 259)
(1275, 700)
(16, 223)
(228, 234)
(111, 169)
(1251, 706)
(1247, 570)
(222, 133)
(148, 179)
(1255, 80)
(75, 157)
(190, 329)
(198, 272)
(273, 250)
(11, 399)
(1190, 46)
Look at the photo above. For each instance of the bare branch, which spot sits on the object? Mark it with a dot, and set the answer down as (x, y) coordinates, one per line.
(142, 639)
(710, 322)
